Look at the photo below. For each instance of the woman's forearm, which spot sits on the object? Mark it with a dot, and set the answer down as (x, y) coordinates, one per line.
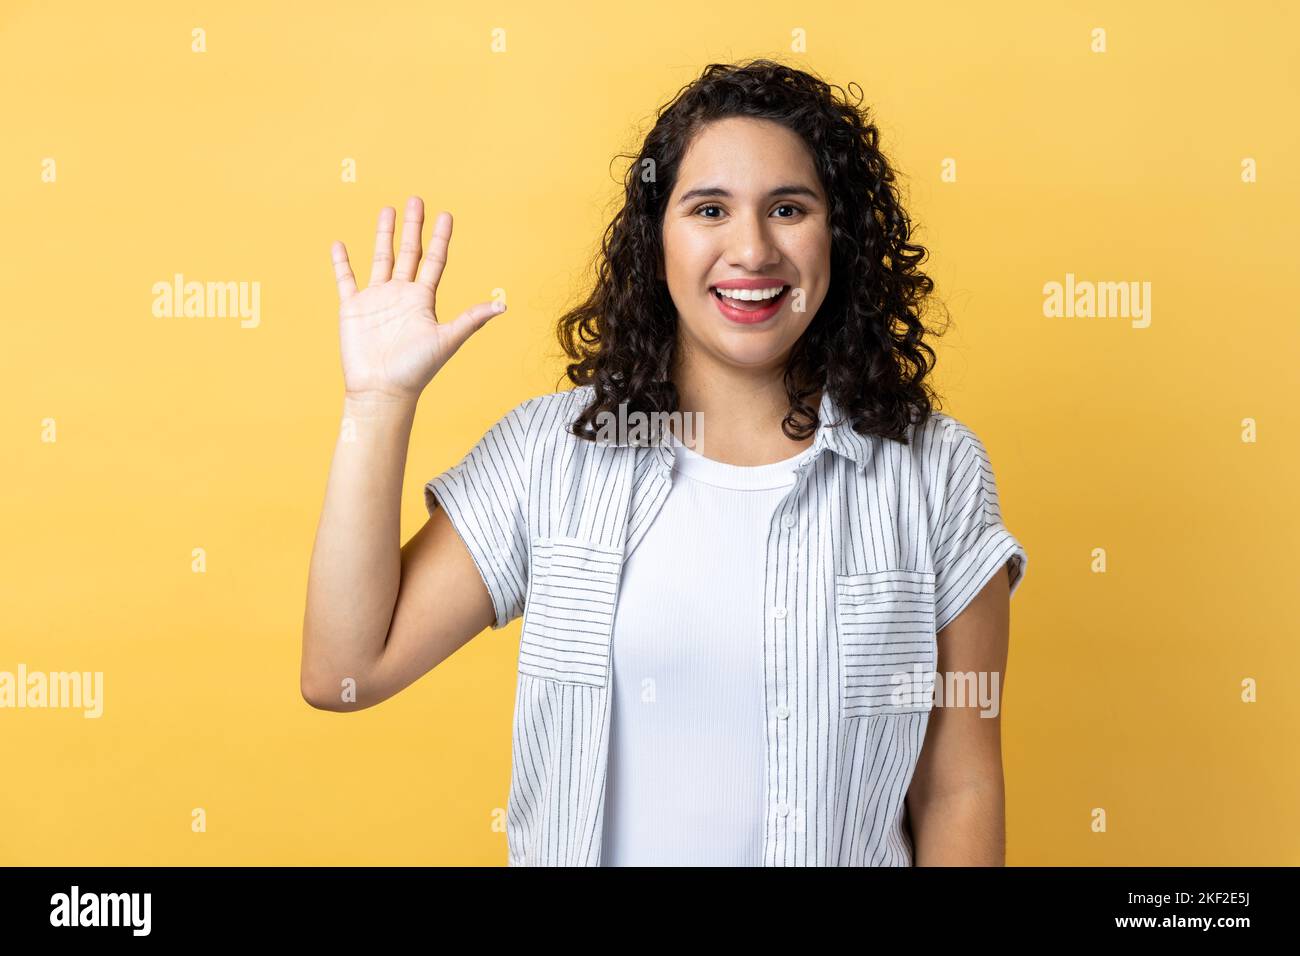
(963, 828)
(355, 570)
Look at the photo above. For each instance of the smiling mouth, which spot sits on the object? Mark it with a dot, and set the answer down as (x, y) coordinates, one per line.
(750, 311)
(750, 305)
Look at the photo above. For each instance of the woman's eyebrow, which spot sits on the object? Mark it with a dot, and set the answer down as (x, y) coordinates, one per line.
(718, 192)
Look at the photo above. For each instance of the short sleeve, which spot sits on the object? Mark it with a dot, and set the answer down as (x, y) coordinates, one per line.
(971, 543)
(485, 497)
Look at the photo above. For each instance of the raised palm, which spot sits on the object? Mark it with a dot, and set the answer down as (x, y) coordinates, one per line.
(391, 341)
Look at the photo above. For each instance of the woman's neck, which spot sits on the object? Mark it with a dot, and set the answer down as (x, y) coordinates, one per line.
(741, 414)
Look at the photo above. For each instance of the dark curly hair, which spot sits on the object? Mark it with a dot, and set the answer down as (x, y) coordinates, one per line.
(865, 344)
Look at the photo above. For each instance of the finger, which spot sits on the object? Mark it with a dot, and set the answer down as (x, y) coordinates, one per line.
(408, 254)
(382, 269)
(471, 320)
(435, 260)
(343, 271)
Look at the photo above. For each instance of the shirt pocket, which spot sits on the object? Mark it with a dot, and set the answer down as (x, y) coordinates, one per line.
(569, 615)
(886, 641)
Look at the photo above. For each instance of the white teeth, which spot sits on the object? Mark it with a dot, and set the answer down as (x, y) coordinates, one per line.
(751, 295)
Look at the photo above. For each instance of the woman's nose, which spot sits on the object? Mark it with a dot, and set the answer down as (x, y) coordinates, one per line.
(750, 245)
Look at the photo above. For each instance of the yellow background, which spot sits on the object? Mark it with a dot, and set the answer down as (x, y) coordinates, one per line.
(1123, 688)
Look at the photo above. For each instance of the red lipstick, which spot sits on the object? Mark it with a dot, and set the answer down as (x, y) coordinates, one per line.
(749, 312)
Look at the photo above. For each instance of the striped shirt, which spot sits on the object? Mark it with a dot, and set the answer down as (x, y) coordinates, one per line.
(875, 549)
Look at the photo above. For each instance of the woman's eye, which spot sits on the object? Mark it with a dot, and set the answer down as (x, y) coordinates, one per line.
(789, 206)
(703, 208)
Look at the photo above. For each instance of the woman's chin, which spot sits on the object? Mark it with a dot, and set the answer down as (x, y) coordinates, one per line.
(760, 346)
(753, 351)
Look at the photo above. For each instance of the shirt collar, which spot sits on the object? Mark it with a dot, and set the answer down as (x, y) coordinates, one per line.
(834, 432)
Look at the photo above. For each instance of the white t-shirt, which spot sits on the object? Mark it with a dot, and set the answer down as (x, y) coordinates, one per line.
(685, 774)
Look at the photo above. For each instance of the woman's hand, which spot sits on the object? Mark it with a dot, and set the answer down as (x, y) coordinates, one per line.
(389, 334)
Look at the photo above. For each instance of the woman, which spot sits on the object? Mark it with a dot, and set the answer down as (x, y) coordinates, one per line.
(725, 659)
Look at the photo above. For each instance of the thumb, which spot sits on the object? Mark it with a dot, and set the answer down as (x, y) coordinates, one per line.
(471, 320)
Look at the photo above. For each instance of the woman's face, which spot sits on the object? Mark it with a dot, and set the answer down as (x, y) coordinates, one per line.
(748, 205)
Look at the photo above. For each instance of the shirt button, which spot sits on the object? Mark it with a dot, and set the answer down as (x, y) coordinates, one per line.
(666, 471)
(778, 613)
(788, 521)
(782, 809)
(783, 712)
